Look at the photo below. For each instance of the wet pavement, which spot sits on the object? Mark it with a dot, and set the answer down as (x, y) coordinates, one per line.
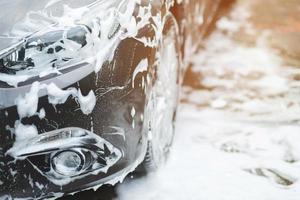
(238, 128)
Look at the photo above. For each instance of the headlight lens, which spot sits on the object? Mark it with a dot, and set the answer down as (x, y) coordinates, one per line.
(68, 163)
(52, 50)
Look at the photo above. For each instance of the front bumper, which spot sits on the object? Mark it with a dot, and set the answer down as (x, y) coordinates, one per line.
(20, 178)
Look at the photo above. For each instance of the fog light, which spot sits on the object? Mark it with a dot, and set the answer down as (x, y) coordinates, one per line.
(68, 163)
(67, 154)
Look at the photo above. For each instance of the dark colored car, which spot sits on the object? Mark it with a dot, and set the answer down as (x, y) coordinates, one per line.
(89, 88)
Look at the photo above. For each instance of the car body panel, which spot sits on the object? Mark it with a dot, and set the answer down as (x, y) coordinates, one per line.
(110, 74)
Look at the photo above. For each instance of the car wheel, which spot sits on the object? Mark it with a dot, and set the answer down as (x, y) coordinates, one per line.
(161, 106)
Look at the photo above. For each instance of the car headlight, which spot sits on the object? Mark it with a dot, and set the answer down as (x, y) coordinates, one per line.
(90, 37)
(66, 51)
(55, 49)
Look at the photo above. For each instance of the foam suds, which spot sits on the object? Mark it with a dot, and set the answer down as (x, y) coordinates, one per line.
(98, 36)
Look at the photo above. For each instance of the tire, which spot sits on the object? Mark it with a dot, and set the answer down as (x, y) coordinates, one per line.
(161, 106)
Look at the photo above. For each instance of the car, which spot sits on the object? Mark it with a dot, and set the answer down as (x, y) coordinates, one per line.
(89, 89)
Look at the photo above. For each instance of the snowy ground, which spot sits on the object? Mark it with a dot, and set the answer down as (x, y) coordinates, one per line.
(238, 133)
(219, 159)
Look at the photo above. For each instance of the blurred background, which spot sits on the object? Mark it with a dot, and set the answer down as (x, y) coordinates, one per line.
(238, 130)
